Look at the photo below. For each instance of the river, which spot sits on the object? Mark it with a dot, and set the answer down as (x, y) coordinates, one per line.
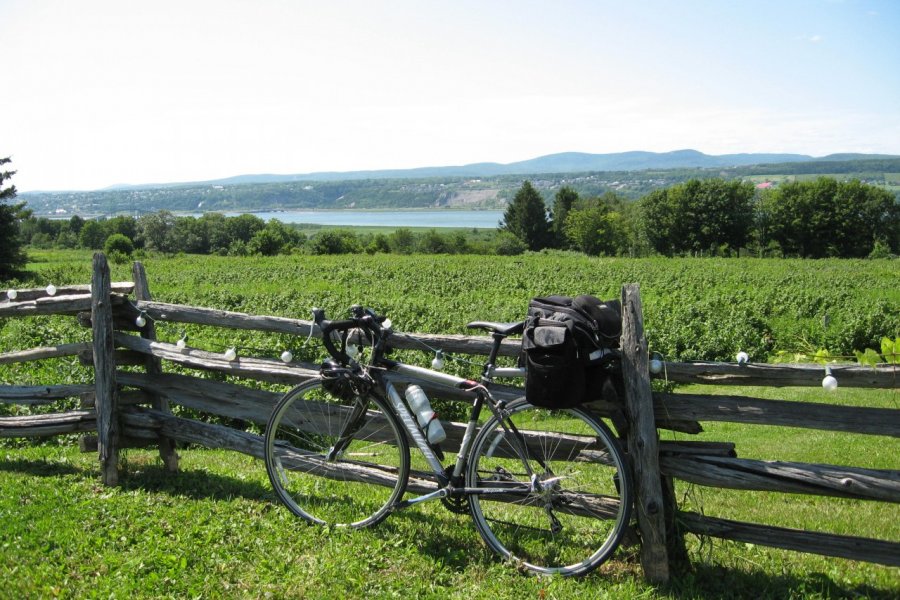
(481, 219)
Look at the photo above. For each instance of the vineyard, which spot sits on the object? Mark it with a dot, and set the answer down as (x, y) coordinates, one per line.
(696, 309)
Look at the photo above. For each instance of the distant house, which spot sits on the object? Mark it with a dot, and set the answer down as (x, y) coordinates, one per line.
(765, 185)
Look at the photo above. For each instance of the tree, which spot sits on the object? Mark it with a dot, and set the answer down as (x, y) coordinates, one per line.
(125, 225)
(267, 242)
(215, 225)
(402, 241)
(826, 217)
(563, 202)
(432, 242)
(506, 244)
(12, 256)
(92, 235)
(189, 235)
(155, 230)
(379, 243)
(335, 241)
(597, 226)
(526, 218)
(699, 216)
(75, 224)
(243, 227)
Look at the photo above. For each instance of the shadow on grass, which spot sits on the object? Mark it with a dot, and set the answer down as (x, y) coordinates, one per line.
(713, 581)
(43, 468)
(446, 539)
(194, 484)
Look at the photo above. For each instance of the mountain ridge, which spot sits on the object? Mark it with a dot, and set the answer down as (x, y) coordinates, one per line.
(562, 162)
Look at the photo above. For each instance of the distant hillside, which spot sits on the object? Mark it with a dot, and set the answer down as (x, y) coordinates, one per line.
(480, 186)
(565, 162)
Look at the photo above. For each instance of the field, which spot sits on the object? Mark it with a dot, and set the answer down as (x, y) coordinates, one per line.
(214, 529)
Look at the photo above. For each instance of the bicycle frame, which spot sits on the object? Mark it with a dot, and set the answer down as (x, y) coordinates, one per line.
(403, 373)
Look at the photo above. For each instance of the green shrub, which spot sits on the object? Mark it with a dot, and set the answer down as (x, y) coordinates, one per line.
(118, 243)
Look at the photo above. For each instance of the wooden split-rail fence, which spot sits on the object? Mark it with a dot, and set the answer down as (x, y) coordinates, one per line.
(129, 408)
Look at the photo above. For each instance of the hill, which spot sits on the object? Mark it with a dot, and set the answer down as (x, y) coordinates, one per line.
(482, 185)
(565, 162)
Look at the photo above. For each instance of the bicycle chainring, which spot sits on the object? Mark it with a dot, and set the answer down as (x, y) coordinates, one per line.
(456, 504)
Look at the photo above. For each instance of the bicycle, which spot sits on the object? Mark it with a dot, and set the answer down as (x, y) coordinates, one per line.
(547, 490)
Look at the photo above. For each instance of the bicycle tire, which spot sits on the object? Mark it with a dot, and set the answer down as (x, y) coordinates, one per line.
(356, 489)
(576, 517)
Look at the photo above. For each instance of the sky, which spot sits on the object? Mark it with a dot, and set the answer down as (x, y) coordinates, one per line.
(105, 92)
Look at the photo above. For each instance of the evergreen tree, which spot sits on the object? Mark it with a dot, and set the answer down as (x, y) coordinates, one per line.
(12, 257)
(526, 218)
(563, 202)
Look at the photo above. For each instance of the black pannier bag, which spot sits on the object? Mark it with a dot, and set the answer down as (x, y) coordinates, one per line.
(567, 345)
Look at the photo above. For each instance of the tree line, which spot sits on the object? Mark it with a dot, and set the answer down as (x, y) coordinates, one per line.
(810, 219)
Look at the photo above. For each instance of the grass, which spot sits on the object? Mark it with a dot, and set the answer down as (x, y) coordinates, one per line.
(215, 530)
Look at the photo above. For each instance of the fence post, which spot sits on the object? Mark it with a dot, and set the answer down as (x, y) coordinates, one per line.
(106, 403)
(154, 366)
(643, 442)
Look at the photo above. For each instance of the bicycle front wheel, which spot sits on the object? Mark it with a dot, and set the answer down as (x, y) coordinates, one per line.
(555, 491)
(333, 460)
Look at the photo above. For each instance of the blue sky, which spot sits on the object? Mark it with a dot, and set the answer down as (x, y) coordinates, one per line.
(100, 92)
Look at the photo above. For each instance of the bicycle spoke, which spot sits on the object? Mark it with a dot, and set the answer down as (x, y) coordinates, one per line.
(336, 461)
(576, 507)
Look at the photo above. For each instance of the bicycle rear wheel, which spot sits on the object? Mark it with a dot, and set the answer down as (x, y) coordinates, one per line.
(358, 486)
(567, 511)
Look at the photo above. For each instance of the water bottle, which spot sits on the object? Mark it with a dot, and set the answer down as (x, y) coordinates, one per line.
(427, 418)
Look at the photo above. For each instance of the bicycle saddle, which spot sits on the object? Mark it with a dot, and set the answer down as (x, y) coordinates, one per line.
(501, 328)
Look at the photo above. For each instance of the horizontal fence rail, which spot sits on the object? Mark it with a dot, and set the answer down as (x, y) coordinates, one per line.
(780, 375)
(744, 409)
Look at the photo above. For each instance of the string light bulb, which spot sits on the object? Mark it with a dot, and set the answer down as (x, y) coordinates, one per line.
(386, 324)
(11, 294)
(141, 319)
(742, 358)
(829, 383)
(656, 364)
(287, 356)
(231, 354)
(51, 290)
(181, 344)
(438, 362)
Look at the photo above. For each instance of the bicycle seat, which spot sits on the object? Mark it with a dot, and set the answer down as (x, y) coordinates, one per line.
(501, 328)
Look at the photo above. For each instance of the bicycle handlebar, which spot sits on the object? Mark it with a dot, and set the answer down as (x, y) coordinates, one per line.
(362, 318)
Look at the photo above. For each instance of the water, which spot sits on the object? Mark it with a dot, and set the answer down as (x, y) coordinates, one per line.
(482, 219)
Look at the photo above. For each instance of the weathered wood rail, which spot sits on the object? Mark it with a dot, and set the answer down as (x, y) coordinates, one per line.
(128, 408)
